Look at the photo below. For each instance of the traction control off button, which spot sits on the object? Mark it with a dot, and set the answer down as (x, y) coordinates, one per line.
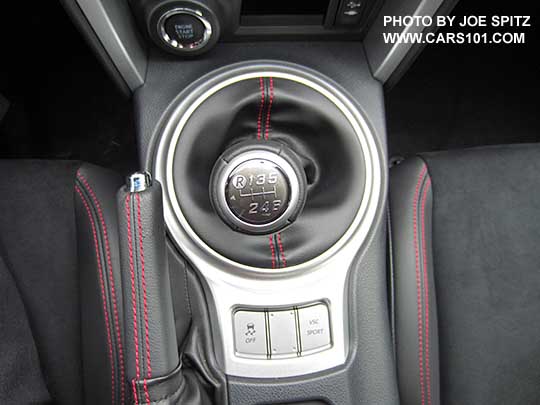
(314, 328)
(250, 333)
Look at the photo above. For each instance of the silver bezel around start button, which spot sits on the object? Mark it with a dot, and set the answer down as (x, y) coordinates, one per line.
(175, 44)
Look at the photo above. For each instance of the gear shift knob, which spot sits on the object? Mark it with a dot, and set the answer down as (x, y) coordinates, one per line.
(258, 189)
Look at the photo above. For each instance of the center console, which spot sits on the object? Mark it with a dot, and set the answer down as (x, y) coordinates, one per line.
(264, 124)
(274, 183)
(256, 199)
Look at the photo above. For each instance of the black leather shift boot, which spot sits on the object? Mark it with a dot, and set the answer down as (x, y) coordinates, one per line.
(281, 111)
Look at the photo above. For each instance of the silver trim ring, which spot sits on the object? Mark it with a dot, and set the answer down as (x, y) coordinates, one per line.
(162, 33)
(217, 265)
(292, 178)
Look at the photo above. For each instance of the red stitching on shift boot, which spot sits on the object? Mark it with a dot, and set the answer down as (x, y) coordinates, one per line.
(133, 295)
(145, 302)
(111, 282)
(102, 286)
(261, 108)
(281, 251)
(267, 129)
(426, 291)
(273, 251)
(418, 283)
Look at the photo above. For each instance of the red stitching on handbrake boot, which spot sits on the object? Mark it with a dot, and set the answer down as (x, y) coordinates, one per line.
(102, 286)
(426, 291)
(111, 282)
(418, 283)
(267, 129)
(261, 108)
(145, 303)
(281, 251)
(134, 388)
(133, 299)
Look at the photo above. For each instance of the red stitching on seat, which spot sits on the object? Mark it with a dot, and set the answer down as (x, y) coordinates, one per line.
(145, 303)
(426, 291)
(267, 133)
(111, 282)
(418, 283)
(133, 298)
(261, 108)
(102, 286)
(281, 251)
(273, 251)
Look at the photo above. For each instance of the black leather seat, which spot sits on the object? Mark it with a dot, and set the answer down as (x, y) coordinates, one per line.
(86, 314)
(465, 233)
(60, 313)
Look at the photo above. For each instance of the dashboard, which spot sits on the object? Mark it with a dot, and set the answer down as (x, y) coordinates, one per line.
(192, 27)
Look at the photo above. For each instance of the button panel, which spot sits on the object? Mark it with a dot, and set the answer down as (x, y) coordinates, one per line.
(282, 333)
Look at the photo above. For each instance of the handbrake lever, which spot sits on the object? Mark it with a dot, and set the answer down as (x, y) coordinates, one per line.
(153, 369)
